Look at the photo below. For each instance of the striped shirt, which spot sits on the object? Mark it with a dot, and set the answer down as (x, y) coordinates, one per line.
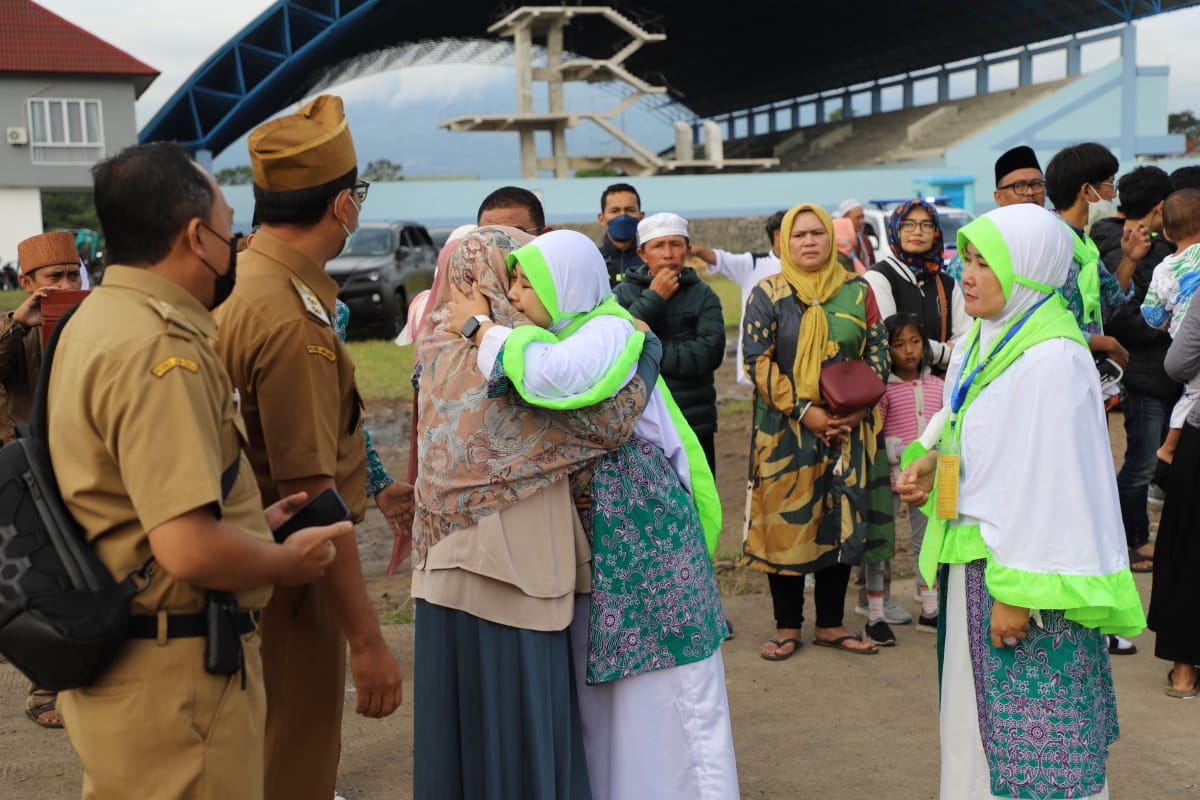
(906, 408)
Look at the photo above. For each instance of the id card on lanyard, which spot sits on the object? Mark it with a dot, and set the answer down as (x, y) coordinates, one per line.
(949, 469)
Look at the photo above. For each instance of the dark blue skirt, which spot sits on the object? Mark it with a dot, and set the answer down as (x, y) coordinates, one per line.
(495, 716)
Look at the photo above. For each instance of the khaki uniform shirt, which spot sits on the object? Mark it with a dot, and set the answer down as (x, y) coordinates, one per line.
(20, 360)
(142, 426)
(296, 380)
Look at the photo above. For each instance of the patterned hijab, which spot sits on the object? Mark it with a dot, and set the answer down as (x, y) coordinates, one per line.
(920, 263)
(813, 289)
(479, 451)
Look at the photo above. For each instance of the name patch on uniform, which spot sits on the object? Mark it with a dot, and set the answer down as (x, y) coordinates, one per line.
(317, 350)
(168, 364)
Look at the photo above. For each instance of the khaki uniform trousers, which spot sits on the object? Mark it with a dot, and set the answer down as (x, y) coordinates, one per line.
(304, 668)
(157, 725)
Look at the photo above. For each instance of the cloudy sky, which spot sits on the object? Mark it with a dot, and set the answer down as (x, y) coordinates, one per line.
(395, 115)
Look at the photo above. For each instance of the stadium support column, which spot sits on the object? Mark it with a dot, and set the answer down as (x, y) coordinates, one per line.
(1128, 100)
(204, 158)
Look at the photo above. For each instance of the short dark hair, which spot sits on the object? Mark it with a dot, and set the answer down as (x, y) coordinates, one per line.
(145, 196)
(1186, 177)
(774, 223)
(897, 322)
(619, 187)
(1142, 189)
(300, 207)
(1181, 214)
(1074, 166)
(513, 197)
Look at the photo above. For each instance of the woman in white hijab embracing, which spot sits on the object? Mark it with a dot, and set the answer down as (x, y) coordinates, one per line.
(1025, 529)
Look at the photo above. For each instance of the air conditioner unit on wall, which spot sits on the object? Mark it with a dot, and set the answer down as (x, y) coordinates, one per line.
(17, 135)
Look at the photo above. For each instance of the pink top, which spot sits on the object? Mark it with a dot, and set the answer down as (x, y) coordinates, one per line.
(905, 409)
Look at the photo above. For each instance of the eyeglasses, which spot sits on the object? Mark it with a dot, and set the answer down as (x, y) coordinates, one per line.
(531, 231)
(1110, 184)
(908, 226)
(360, 191)
(1024, 187)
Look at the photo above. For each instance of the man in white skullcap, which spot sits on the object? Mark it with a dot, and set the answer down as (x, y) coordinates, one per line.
(852, 210)
(685, 314)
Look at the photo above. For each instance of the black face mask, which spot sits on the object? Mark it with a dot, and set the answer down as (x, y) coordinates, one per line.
(223, 283)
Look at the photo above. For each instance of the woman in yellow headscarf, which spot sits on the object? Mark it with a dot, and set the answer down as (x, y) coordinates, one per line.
(813, 476)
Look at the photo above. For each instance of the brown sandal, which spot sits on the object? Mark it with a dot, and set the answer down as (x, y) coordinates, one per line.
(42, 702)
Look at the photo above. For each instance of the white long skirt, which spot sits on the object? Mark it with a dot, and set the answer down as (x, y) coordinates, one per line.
(662, 734)
(965, 773)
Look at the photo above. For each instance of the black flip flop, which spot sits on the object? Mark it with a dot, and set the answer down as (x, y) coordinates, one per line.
(779, 643)
(1135, 557)
(840, 644)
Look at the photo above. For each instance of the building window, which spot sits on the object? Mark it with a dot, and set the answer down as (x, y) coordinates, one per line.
(65, 131)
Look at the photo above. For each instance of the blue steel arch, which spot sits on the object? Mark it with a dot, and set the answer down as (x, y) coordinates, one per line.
(295, 45)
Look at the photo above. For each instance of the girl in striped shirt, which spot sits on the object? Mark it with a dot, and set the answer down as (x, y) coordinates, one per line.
(914, 394)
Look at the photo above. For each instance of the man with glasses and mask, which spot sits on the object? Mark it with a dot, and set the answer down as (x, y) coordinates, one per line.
(1081, 184)
(147, 451)
(49, 263)
(303, 416)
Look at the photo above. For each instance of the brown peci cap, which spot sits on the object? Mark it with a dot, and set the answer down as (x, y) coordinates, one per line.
(47, 250)
(302, 150)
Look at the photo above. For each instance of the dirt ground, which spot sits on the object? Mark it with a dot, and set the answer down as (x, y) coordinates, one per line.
(823, 724)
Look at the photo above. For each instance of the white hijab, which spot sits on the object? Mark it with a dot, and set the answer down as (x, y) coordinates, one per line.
(1037, 465)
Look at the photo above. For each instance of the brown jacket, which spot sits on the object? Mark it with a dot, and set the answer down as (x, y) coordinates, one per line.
(20, 361)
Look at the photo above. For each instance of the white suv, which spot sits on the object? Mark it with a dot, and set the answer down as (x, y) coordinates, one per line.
(878, 212)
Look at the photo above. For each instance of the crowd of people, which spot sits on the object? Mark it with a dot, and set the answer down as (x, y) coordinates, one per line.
(560, 503)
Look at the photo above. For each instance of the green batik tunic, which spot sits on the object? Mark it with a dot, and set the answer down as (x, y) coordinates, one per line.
(801, 515)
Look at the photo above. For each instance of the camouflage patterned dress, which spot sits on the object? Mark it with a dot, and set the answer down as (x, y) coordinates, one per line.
(802, 516)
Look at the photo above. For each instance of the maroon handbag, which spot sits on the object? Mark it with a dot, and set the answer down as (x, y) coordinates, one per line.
(850, 385)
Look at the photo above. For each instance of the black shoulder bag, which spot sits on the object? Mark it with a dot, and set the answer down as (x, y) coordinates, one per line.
(63, 618)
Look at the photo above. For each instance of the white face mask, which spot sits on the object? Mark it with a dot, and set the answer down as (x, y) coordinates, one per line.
(350, 233)
(1100, 208)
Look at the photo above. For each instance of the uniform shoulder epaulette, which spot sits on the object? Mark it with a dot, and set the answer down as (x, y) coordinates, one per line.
(311, 303)
(173, 316)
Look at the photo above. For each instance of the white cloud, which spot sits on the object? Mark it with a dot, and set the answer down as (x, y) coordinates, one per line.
(449, 84)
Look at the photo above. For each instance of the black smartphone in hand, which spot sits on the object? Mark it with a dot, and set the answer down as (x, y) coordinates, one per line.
(324, 509)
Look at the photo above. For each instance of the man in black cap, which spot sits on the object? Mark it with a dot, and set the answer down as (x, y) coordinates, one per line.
(1019, 178)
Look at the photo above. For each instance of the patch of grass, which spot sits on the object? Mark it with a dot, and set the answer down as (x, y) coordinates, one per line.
(383, 370)
(397, 616)
(731, 298)
(734, 579)
(10, 299)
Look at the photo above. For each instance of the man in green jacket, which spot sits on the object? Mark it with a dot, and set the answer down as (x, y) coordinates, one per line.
(685, 314)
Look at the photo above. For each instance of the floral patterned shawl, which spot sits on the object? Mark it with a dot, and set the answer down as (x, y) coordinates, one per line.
(477, 453)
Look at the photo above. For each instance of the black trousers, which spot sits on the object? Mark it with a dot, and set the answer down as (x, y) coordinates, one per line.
(829, 594)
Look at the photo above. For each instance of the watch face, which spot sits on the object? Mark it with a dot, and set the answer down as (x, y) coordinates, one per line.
(469, 327)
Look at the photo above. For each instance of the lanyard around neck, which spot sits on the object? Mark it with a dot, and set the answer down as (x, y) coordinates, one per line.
(962, 387)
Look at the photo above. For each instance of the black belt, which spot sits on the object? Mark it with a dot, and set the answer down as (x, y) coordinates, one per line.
(182, 625)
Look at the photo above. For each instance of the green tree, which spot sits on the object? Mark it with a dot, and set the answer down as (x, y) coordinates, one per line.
(235, 176)
(599, 172)
(382, 170)
(1184, 122)
(61, 210)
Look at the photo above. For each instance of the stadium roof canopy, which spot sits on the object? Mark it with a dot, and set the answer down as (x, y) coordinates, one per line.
(745, 55)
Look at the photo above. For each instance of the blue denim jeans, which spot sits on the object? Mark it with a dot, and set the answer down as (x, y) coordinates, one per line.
(1146, 420)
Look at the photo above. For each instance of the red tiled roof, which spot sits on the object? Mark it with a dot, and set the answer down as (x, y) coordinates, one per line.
(34, 39)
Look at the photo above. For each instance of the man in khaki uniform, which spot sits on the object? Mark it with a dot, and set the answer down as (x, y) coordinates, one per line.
(146, 442)
(49, 263)
(304, 419)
